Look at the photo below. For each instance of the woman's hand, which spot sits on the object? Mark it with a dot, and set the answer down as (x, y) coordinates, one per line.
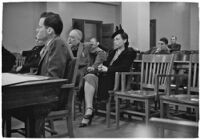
(90, 69)
(102, 68)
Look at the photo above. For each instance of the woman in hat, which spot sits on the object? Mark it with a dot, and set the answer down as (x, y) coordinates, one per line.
(119, 60)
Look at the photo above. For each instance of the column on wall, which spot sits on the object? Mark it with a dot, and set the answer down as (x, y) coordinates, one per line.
(135, 21)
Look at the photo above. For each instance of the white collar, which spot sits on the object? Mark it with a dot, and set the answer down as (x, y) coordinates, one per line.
(49, 42)
(119, 50)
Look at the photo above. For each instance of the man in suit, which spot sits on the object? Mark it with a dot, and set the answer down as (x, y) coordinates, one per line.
(174, 46)
(56, 55)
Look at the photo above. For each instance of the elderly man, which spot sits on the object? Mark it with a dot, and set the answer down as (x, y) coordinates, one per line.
(90, 55)
(55, 55)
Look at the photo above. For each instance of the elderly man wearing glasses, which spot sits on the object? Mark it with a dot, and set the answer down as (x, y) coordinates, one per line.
(161, 48)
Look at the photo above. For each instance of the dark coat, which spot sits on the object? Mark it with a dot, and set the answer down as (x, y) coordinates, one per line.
(8, 60)
(55, 59)
(156, 50)
(174, 47)
(121, 64)
(32, 59)
(89, 56)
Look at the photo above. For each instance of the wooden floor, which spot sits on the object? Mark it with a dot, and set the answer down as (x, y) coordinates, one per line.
(128, 129)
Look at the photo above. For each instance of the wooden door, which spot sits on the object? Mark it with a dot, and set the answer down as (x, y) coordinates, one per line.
(152, 33)
(78, 24)
(89, 28)
(107, 31)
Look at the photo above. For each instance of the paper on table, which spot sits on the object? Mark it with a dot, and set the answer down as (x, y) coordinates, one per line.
(10, 78)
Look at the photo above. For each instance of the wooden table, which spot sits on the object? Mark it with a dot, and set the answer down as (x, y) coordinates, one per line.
(191, 101)
(31, 99)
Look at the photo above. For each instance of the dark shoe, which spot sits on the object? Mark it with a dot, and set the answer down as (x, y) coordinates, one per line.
(89, 118)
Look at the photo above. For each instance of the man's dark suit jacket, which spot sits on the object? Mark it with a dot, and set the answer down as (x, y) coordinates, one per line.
(55, 59)
(88, 56)
(121, 64)
(174, 47)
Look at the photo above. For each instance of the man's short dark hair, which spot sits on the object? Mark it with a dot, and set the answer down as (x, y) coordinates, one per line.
(165, 40)
(53, 20)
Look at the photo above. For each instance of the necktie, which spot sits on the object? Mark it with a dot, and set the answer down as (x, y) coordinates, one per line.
(43, 50)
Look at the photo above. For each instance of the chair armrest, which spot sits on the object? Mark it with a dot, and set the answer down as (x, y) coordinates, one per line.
(168, 76)
(65, 86)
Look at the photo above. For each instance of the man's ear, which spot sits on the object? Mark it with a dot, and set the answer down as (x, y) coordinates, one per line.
(50, 30)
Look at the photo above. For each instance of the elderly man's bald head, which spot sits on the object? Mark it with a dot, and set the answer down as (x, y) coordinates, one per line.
(75, 37)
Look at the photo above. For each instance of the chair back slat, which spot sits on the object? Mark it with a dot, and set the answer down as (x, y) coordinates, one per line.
(153, 65)
(151, 71)
(72, 70)
(193, 76)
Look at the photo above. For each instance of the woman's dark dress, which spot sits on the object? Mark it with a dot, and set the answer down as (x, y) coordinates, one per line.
(121, 64)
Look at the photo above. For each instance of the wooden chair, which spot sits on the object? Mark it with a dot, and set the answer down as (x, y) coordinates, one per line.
(107, 105)
(152, 66)
(193, 77)
(69, 99)
(189, 100)
(188, 127)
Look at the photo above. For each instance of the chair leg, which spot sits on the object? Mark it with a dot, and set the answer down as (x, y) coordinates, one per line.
(197, 114)
(8, 126)
(27, 127)
(108, 113)
(70, 126)
(73, 106)
(146, 111)
(161, 132)
(51, 124)
(117, 111)
(69, 116)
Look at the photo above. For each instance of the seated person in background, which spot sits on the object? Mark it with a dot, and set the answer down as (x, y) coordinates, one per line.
(90, 55)
(162, 47)
(174, 46)
(96, 55)
(94, 40)
(32, 58)
(119, 59)
(8, 60)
